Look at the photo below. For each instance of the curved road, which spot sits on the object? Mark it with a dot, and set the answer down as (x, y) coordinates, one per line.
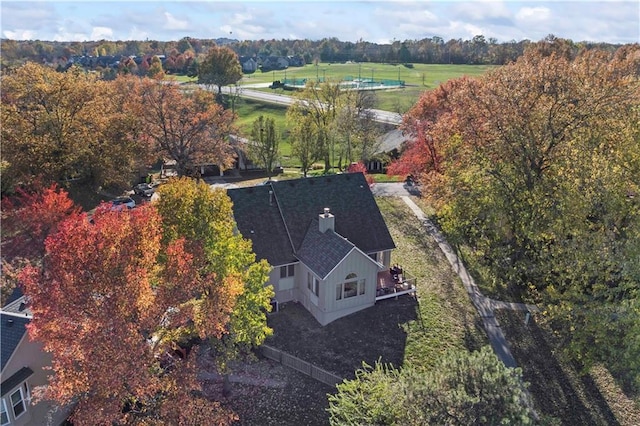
(275, 98)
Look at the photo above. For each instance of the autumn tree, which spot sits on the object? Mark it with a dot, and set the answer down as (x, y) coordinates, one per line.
(60, 126)
(303, 141)
(462, 389)
(354, 129)
(535, 167)
(318, 103)
(263, 147)
(28, 218)
(220, 67)
(203, 218)
(109, 304)
(189, 128)
(155, 68)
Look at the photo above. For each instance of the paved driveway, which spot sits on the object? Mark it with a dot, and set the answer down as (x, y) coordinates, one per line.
(393, 190)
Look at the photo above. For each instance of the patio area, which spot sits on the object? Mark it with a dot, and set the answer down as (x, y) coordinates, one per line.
(394, 282)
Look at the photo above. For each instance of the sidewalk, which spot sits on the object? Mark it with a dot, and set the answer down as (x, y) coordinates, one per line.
(483, 304)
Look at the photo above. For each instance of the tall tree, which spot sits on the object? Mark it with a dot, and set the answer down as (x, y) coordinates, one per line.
(463, 389)
(535, 166)
(59, 126)
(220, 67)
(110, 304)
(203, 217)
(263, 147)
(319, 103)
(155, 68)
(189, 128)
(303, 140)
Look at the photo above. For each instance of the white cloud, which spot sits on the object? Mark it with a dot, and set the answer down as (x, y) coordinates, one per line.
(64, 35)
(19, 34)
(137, 34)
(100, 33)
(172, 23)
(532, 14)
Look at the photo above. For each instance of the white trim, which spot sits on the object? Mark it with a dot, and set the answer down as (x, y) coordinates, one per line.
(22, 401)
(15, 314)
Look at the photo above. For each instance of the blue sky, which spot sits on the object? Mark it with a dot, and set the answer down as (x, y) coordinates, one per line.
(375, 21)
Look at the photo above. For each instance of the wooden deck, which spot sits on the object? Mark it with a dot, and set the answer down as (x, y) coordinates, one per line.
(393, 285)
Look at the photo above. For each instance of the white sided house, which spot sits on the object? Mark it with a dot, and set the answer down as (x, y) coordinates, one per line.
(24, 367)
(325, 238)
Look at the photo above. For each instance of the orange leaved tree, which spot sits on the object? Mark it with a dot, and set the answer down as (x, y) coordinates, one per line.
(105, 300)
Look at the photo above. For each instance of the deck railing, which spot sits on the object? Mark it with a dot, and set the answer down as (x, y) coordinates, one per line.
(398, 288)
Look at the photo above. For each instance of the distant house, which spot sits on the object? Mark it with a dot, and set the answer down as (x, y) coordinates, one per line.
(390, 146)
(296, 61)
(274, 63)
(249, 65)
(23, 368)
(324, 236)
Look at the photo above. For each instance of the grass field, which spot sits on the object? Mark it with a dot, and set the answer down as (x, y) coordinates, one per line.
(426, 76)
(418, 78)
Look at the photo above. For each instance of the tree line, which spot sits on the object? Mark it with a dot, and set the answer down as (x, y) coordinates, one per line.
(180, 54)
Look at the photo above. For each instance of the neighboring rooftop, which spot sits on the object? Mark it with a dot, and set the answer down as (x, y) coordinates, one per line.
(15, 315)
(12, 330)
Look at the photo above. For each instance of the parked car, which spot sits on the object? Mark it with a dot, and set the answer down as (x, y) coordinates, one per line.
(144, 190)
(122, 202)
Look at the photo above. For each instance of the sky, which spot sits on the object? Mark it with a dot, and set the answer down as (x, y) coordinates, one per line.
(373, 21)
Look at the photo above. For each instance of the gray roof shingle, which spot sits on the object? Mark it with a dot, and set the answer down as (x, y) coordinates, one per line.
(322, 251)
(278, 223)
(12, 329)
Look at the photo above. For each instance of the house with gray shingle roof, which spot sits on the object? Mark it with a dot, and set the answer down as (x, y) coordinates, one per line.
(24, 367)
(324, 236)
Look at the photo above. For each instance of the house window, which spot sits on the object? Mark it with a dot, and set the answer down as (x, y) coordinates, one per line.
(287, 271)
(350, 287)
(4, 416)
(313, 284)
(17, 403)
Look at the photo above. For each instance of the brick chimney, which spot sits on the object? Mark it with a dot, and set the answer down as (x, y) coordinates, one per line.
(327, 221)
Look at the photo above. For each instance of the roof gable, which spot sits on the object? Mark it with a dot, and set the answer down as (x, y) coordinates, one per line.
(349, 199)
(323, 251)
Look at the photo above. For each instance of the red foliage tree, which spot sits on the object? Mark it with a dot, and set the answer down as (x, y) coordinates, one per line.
(429, 123)
(30, 216)
(360, 168)
(27, 219)
(107, 303)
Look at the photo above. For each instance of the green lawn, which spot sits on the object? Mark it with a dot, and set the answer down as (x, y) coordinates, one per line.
(422, 75)
(418, 78)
